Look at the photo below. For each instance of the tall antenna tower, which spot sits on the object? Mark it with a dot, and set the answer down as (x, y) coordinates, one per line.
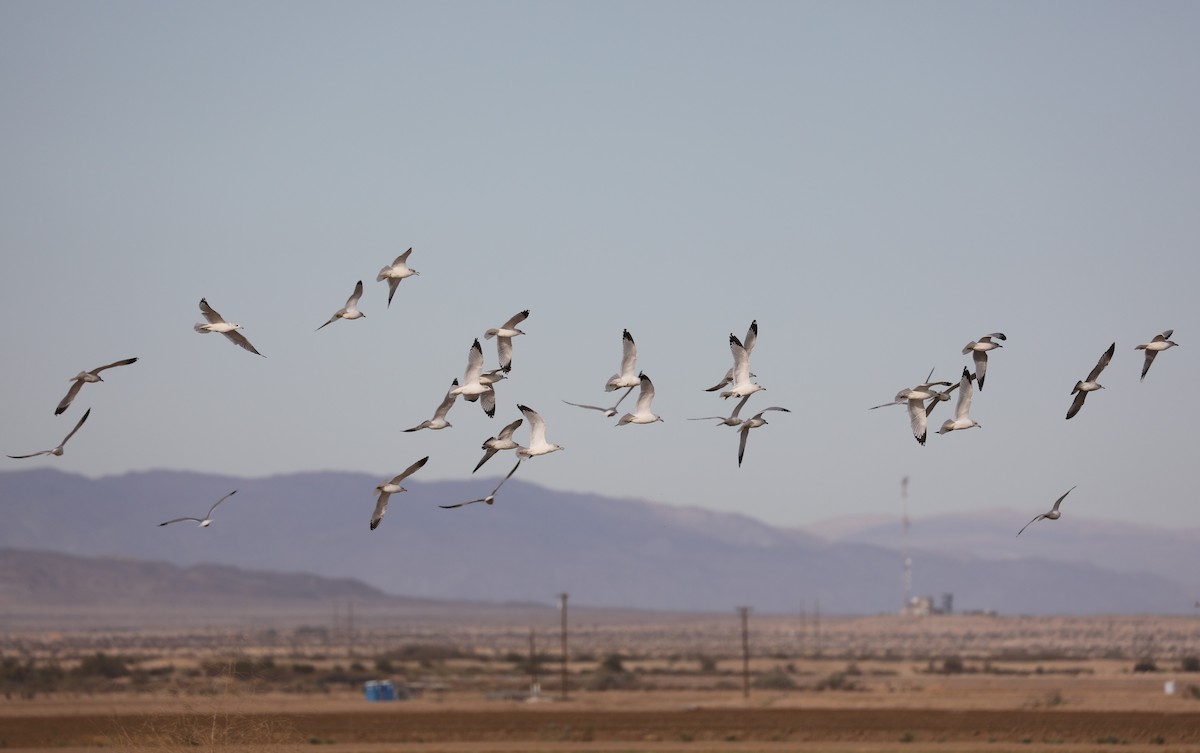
(904, 549)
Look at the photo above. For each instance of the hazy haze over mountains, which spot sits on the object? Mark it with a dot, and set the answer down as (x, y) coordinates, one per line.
(535, 543)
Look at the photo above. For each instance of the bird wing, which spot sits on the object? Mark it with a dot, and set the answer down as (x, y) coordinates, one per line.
(332, 319)
(1029, 524)
(504, 351)
(988, 338)
(77, 385)
(916, 417)
(411, 470)
(981, 359)
(380, 509)
(622, 399)
(352, 301)
(506, 478)
(741, 360)
(1058, 501)
(646, 396)
(515, 320)
(628, 354)
(724, 381)
(508, 431)
(487, 401)
(393, 283)
(745, 432)
(1104, 359)
(590, 407)
(180, 520)
(537, 425)
(463, 504)
(1166, 333)
(447, 402)
(1150, 354)
(963, 407)
(238, 339)
(402, 258)
(738, 408)
(1077, 403)
(123, 362)
(751, 337)
(32, 455)
(487, 455)
(85, 417)
(209, 313)
(474, 363)
(219, 501)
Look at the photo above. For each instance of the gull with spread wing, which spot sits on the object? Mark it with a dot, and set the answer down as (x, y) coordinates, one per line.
(1054, 514)
(489, 499)
(502, 441)
(1152, 348)
(87, 377)
(962, 409)
(642, 413)
(388, 488)
(504, 335)
(627, 377)
(741, 384)
(749, 343)
(537, 436)
(220, 326)
(207, 519)
(350, 310)
(439, 416)
(1090, 384)
(753, 422)
(398, 270)
(979, 350)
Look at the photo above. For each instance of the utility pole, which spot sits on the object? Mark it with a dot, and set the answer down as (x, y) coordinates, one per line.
(350, 629)
(907, 558)
(533, 668)
(745, 614)
(817, 627)
(562, 608)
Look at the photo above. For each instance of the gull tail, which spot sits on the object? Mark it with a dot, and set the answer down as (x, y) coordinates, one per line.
(200, 328)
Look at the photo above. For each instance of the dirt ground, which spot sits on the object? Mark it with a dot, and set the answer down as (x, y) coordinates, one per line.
(967, 714)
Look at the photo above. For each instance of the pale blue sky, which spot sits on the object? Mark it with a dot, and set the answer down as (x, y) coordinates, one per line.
(876, 183)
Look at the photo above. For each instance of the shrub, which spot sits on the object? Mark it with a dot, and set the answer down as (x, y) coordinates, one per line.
(1145, 665)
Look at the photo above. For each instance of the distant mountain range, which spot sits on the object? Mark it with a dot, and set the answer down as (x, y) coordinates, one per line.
(535, 542)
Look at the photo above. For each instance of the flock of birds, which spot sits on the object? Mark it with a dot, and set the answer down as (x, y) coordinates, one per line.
(918, 410)
(479, 385)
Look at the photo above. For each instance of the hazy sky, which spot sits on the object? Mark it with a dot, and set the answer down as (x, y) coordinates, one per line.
(876, 183)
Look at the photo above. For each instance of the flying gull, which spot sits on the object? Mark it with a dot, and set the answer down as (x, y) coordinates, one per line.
(398, 270)
(207, 519)
(57, 451)
(439, 416)
(229, 329)
(642, 413)
(387, 489)
(82, 377)
(1090, 384)
(962, 409)
(537, 436)
(741, 384)
(979, 350)
(502, 441)
(628, 375)
(350, 311)
(753, 422)
(489, 499)
(749, 343)
(1160, 342)
(1054, 514)
(504, 335)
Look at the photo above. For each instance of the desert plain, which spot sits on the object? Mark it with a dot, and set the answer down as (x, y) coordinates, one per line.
(286, 680)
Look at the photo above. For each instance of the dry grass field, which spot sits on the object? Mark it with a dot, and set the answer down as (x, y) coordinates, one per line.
(637, 682)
